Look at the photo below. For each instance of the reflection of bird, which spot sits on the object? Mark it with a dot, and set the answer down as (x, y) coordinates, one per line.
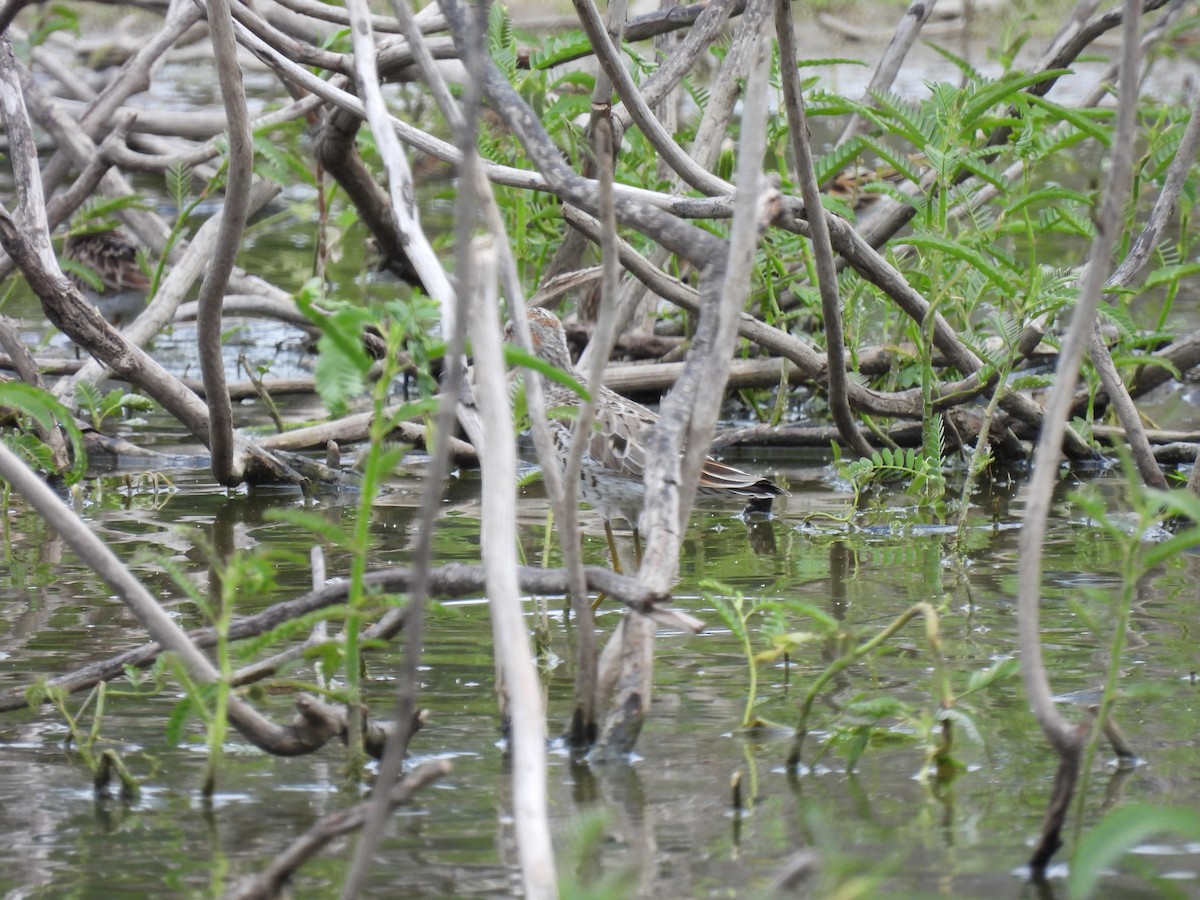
(118, 285)
(614, 460)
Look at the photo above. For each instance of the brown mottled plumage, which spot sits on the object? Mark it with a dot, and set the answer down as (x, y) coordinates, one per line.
(614, 462)
(112, 256)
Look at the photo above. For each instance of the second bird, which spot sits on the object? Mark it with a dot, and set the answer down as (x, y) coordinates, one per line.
(112, 256)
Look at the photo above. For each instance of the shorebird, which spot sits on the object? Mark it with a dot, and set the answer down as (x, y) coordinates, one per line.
(614, 460)
(112, 257)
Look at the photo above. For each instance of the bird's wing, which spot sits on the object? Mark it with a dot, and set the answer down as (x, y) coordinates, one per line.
(720, 477)
(619, 438)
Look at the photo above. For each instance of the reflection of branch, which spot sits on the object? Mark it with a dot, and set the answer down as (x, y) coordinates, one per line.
(453, 580)
(316, 722)
(270, 882)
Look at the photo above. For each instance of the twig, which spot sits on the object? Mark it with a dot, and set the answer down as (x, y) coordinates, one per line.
(639, 110)
(671, 71)
(889, 63)
(134, 78)
(831, 306)
(679, 443)
(715, 121)
(400, 186)
(433, 277)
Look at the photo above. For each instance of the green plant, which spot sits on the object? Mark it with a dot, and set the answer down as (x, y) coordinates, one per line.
(1142, 544)
(51, 18)
(104, 764)
(737, 613)
(34, 406)
(867, 717)
(922, 474)
(1120, 831)
(343, 371)
(243, 574)
(100, 407)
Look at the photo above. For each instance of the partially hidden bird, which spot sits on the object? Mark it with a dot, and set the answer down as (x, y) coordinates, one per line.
(614, 459)
(112, 257)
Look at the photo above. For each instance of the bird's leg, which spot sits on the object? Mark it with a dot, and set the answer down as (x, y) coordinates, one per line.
(613, 556)
(637, 547)
(612, 547)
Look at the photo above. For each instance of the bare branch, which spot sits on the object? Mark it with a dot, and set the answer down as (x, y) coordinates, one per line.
(220, 264)
(1064, 737)
(831, 306)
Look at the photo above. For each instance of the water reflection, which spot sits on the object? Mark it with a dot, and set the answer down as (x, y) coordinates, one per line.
(662, 826)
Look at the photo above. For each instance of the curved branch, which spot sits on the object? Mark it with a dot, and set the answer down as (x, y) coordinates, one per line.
(671, 153)
(831, 305)
(1064, 737)
(220, 265)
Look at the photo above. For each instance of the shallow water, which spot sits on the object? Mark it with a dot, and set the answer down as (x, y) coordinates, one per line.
(668, 827)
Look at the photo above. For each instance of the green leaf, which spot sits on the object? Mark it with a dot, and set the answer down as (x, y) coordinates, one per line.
(829, 625)
(729, 614)
(968, 255)
(50, 414)
(1082, 121)
(177, 721)
(560, 49)
(97, 215)
(1170, 275)
(962, 723)
(1051, 194)
(331, 531)
(1000, 91)
(961, 64)
(178, 178)
(343, 365)
(856, 745)
(515, 356)
(831, 61)
(999, 671)
(1176, 503)
(1119, 832)
(59, 17)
